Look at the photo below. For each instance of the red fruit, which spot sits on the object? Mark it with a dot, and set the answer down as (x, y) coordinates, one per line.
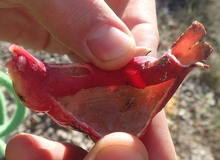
(83, 97)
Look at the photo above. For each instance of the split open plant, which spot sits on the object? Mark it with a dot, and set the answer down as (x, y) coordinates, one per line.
(83, 97)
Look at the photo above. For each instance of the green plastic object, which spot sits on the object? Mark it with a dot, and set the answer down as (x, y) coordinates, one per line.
(6, 127)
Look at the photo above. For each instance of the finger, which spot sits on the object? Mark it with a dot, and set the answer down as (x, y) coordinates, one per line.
(26, 146)
(158, 139)
(87, 27)
(118, 145)
(25, 30)
(140, 17)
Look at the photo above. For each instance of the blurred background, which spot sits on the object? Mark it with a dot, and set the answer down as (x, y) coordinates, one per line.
(193, 114)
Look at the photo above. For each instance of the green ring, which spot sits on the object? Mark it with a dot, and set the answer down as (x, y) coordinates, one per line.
(16, 119)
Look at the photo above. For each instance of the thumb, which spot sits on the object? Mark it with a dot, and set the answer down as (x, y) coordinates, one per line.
(88, 28)
(118, 146)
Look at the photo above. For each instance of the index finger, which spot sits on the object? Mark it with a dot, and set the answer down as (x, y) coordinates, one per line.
(140, 17)
(158, 140)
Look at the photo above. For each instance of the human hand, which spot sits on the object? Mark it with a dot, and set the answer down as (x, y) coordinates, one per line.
(156, 144)
(65, 27)
(104, 33)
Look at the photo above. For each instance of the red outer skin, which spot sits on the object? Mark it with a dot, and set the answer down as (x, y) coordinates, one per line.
(52, 82)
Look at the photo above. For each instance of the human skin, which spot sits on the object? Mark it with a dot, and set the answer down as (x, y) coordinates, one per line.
(156, 144)
(77, 28)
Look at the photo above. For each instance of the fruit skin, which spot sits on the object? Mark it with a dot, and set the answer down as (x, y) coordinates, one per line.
(83, 97)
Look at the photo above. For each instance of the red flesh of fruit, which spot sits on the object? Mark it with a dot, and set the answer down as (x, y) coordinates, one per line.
(83, 97)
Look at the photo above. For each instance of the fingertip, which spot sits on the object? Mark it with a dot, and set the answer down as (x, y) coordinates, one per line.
(110, 51)
(11, 148)
(118, 145)
(114, 64)
(20, 147)
(27, 146)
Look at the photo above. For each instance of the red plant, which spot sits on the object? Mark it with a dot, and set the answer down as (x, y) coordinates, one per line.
(83, 97)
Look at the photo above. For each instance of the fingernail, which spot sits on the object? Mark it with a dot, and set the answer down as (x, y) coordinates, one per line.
(119, 152)
(108, 43)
